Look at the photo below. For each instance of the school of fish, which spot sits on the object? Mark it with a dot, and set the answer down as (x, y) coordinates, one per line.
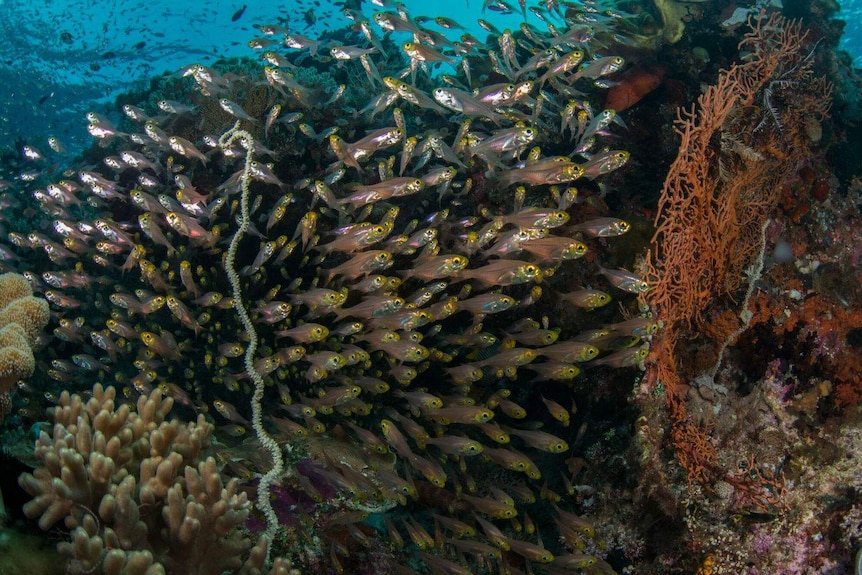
(412, 236)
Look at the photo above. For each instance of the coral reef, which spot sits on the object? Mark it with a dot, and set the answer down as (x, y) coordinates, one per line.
(674, 15)
(22, 318)
(379, 301)
(714, 208)
(752, 408)
(134, 489)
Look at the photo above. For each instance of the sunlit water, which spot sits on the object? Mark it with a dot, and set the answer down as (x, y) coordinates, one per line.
(851, 13)
(61, 59)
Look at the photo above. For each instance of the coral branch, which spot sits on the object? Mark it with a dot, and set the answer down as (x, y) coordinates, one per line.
(738, 145)
(133, 490)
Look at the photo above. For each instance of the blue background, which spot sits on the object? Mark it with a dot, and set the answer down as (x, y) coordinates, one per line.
(112, 47)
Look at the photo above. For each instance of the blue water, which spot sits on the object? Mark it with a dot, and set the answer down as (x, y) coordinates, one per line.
(851, 13)
(61, 59)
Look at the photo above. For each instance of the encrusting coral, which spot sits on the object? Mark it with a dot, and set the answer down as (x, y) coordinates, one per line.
(22, 317)
(135, 491)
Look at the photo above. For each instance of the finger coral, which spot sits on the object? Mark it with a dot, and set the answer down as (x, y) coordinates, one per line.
(135, 491)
